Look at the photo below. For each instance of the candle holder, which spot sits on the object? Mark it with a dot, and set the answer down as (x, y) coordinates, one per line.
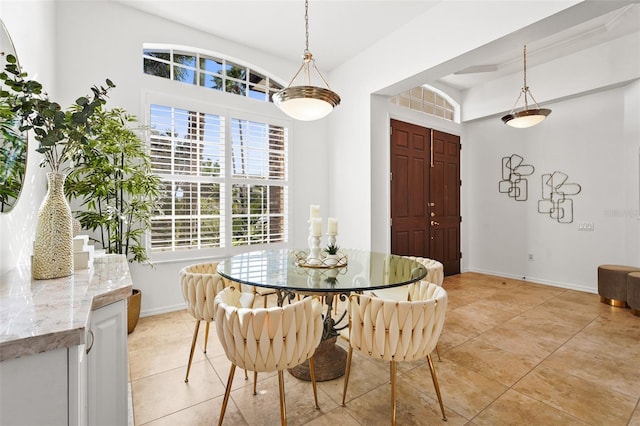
(313, 258)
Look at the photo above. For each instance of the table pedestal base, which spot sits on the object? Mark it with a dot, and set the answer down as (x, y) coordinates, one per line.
(329, 359)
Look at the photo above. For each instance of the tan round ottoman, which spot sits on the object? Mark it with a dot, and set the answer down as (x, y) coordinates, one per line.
(633, 292)
(612, 284)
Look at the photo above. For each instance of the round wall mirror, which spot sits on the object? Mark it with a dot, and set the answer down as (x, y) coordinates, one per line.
(13, 155)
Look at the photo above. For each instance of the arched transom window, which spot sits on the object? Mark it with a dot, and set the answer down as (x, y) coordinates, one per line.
(209, 71)
(425, 100)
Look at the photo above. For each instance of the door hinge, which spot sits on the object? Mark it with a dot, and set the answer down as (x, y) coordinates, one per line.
(390, 176)
(391, 130)
(391, 222)
(460, 182)
(460, 219)
(460, 147)
(460, 255)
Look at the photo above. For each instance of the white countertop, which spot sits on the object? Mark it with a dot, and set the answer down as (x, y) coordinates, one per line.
(42, 315)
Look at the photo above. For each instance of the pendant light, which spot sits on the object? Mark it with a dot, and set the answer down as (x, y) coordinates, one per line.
(306, 102)
(526, 117)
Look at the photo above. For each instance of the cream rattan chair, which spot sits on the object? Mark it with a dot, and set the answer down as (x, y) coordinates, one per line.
(435, 275)
(397, 331)
(200, 284)
(267, 339)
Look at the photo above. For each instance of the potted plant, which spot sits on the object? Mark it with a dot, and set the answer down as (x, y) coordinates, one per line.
(58, 134)
(117, 190)
(332, 254)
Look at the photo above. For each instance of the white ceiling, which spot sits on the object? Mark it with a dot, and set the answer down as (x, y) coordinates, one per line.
(340, 29)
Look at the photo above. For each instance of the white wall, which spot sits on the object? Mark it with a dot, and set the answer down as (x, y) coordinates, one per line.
(594, 140)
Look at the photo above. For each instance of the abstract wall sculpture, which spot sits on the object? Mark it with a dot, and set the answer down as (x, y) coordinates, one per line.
(513, 182)
(555, 197)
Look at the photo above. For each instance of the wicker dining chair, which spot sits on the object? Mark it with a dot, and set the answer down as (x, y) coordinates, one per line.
(267, 339)
(200, 284)
(397, 331)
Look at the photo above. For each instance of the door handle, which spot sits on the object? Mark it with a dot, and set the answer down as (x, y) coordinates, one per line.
(433, 222)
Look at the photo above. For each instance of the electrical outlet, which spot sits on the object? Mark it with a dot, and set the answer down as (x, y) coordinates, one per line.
(531, 257)
(585, 226)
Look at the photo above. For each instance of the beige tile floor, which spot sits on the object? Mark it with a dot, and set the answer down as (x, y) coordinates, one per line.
(512, 352)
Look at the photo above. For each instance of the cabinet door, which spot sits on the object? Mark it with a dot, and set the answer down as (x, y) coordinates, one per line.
(33, 389)
(107, 366)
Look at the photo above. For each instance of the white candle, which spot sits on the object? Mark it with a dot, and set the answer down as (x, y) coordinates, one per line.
(332, 226)
(314, 211)
(316, 227)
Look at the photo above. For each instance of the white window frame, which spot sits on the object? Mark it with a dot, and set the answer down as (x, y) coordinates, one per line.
(205, 104)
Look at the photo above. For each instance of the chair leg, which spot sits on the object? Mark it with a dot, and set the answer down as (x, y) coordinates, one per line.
(206, 336)
(393, 392)
(312, 371)
(255, 381)
(438, 352)
(283, 405)
(193, 347)
(227, 392)
(346, 374)
(435, 384)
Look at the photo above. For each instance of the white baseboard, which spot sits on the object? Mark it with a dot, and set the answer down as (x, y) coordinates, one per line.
(163, 310)
(569, 286)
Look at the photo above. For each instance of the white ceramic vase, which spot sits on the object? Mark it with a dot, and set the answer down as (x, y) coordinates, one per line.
(53, 246)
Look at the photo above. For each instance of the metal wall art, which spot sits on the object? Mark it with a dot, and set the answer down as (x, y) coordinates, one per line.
(513, 182)
(555, 201)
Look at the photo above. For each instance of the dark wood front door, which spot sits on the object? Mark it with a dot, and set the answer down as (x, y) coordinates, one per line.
(425, 194)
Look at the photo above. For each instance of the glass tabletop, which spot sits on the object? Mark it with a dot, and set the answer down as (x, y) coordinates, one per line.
(281, 269)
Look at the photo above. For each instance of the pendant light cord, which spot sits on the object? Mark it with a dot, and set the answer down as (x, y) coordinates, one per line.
(525, 88)
(306, 25)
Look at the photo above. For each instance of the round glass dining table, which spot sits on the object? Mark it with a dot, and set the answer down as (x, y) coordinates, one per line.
(289, 273)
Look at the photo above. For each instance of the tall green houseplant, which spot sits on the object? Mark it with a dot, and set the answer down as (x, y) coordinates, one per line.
(113, 180)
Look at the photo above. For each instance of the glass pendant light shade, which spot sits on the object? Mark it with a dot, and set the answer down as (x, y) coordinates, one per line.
(306, 102)
(526, 117)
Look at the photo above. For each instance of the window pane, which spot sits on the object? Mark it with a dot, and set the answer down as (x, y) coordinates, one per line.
(258, 150)
(156, 68)
(235, 87)
(210, 64)
(160, 54)
(257, 79)
(257, 92)
(210, 81)
(235, 71)
(186, 142)
(184, 75)
(184, 59)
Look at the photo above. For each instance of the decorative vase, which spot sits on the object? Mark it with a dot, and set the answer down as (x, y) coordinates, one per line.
(53, 247)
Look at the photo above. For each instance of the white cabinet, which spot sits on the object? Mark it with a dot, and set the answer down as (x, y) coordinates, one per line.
(33, 389)
(107, 400)
(79, 385)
